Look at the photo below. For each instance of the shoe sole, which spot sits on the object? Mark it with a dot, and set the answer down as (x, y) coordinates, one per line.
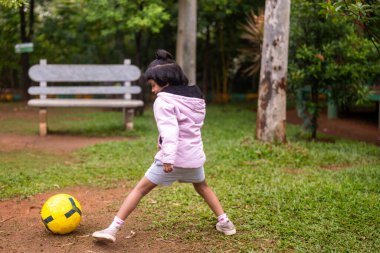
(226, 232)
(104, 238)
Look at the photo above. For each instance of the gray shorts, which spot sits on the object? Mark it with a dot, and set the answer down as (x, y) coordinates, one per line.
(157, 175)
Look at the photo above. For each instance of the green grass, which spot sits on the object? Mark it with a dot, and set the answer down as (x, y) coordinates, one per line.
(91, 123)
(303, 196)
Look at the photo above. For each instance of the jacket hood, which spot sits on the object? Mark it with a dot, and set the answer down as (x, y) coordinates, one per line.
(186, 96)
(184, 90)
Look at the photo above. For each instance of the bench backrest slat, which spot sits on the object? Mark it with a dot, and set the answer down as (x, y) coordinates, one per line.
(51, 90)
(84, 73)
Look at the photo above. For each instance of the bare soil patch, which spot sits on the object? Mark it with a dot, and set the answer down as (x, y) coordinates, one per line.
(335, 167)
(57, 144)
(21, 229)
(293, 171)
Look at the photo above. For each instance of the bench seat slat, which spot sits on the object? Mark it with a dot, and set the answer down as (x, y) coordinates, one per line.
(84, 73)
(105, 103)
(51, 90)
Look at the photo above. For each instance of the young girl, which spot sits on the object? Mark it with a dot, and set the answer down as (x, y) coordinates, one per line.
(179, 110)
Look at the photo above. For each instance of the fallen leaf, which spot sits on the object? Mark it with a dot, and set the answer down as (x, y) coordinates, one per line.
(132, 234)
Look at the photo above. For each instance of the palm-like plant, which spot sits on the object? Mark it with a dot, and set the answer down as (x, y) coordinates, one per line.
(253, 32)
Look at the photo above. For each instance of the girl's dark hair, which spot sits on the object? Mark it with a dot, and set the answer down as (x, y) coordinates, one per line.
(164, 70)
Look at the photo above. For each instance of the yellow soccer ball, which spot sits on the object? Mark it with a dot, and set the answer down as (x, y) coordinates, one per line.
(61, 214)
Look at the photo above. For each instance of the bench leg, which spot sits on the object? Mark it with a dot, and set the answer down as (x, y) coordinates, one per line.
(128, 118)
(43, 121)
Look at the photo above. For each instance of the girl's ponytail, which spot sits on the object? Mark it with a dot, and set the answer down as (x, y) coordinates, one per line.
(163, 55)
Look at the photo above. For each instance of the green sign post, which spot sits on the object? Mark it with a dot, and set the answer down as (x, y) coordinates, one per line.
(24, 48)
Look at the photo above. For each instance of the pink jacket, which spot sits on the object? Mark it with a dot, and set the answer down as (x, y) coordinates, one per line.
(179, 121)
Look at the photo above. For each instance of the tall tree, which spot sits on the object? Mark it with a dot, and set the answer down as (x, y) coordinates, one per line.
(187, 38)
(271, 112)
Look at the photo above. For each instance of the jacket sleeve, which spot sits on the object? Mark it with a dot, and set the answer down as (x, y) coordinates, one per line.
(167, 125)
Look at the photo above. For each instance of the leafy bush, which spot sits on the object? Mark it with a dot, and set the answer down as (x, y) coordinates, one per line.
(327, 58)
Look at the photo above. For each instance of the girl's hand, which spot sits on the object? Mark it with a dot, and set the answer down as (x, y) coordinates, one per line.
(168, 167)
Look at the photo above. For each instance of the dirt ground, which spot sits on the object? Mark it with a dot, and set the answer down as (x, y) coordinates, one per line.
(360, 125)
(21, 229)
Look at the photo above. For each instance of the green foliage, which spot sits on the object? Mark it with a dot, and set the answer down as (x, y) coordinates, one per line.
(151, 17)
(12, 3)
(365, 14)
(302, 196)
(95, 31)
(327, 57)
(9, 59)
(129, 16)
(253, 33)
(351, 66)
(108, 32)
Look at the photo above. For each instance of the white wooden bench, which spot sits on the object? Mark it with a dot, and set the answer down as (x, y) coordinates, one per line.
(48, 96)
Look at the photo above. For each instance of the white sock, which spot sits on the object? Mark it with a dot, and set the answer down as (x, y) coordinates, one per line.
(223, 218)
(116, 224)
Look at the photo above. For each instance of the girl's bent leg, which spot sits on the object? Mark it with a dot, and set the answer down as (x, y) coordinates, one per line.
(224, 225)
(209, 196)
(131, 201)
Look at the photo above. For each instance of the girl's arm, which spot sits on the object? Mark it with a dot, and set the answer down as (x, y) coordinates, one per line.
(167, 125)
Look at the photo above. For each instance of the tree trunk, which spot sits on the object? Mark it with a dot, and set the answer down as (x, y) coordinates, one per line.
(315, 114)
(138, 40)
(26, 36)
(223, 61)
(206, 67)
(271, 111)
(187, 38)
(31, 19)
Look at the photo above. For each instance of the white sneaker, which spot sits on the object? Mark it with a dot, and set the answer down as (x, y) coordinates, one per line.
(106, 235)
(227, 228)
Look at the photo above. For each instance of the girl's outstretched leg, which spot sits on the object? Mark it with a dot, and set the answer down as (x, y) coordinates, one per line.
(224, 225)
(129, 204)
(131, 201)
